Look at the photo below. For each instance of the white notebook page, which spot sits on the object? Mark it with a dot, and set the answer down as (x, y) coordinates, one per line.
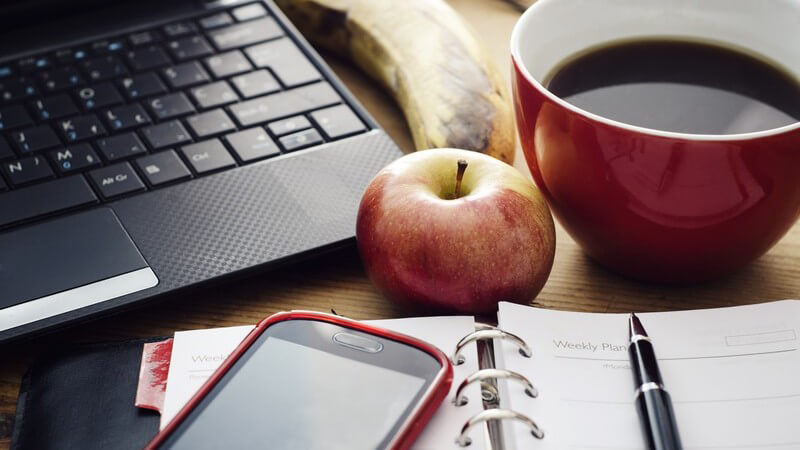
(196, 355)
(445, 332)
(733, 374)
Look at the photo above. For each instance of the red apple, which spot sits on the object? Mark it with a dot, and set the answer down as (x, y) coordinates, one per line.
(455, 230)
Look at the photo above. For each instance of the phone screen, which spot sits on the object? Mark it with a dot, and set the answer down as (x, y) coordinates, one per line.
(296, 388)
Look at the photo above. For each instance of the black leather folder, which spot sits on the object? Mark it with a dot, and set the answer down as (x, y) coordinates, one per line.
(83, 398)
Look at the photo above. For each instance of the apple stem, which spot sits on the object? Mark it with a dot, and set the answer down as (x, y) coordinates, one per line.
(462, 167)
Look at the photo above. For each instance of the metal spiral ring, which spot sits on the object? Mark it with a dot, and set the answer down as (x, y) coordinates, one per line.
(490, 333)
(464, 440)
(461, 400)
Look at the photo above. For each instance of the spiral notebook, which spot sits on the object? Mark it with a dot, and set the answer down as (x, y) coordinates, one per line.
(732, 373)
(545, 379)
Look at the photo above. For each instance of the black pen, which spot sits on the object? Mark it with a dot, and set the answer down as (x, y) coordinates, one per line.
(652, 401)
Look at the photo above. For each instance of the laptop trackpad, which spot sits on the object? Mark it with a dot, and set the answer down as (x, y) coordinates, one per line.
(90, 250)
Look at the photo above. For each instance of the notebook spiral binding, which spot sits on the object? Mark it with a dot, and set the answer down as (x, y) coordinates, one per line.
(488, 332)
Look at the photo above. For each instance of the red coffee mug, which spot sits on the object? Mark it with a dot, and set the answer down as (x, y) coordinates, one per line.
(656, 205)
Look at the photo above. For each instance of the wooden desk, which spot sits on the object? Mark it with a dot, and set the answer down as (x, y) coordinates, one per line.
(337, 281)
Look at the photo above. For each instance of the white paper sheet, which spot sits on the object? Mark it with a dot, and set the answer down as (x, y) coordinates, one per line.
(732, 373)
(445, 332)
(196, 354)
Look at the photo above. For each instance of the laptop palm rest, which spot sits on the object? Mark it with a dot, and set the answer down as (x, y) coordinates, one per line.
(67, 263)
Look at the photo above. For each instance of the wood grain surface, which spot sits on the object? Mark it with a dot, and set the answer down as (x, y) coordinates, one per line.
(337, 280)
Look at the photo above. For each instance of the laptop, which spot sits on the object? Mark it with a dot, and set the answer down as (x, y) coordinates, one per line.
(150, 146)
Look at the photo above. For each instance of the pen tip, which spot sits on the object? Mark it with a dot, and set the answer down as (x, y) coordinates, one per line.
(630, 325)
(635, 326)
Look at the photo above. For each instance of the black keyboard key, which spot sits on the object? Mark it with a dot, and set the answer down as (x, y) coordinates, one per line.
(227, 64)
(247, 33)
(13, 89)
(338, 121)
(3, 186)
(146, 58)
(179, 29)
(256, 83)
(143, 38)
(186, 74)
(34, 139)
(170, 105)
(5, 149)
(290, 125)
(31, 63)
(77, 55)
(98, 48)
(126, 117)
(26, 65)
(45, 198)
(27, 170)
(143, 85)
(301, 139)
(106, 46)
(61, 78)
(210, 123)
(81, 128)
(189, 47)
(104, 68)
(54, 107)
(74, 158)
(282, 104)
(287, 62)
(165, 134)
(216, 21)
(163, 167)
(250, 145)
(214, 94)
(98, 96)
(43, 62)
(64, 56)
(249, 12)
(116, 180)
(120, 146)
(115, 45)
(80, 54)
(14, 116)
(208, 156)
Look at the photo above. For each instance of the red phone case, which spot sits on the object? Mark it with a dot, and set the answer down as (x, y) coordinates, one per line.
(408, 431)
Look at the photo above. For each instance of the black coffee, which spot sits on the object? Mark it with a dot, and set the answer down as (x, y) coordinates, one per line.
(680, 86)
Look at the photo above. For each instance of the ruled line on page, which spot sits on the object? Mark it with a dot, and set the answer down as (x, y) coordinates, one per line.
(723, 400)
(680, 358)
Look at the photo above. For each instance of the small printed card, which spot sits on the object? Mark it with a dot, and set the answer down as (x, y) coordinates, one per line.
(196, 355)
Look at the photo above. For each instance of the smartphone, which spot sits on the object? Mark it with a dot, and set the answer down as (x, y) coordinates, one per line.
(306, 380)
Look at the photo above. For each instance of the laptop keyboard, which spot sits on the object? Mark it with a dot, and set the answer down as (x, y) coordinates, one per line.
(121, 116)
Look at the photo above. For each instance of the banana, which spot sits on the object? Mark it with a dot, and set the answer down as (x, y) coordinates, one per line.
(429, 60)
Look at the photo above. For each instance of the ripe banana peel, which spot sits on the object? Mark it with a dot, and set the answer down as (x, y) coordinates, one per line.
(423, 53)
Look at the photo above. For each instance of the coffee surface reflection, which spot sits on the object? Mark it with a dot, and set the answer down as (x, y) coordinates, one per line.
(679, 86)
